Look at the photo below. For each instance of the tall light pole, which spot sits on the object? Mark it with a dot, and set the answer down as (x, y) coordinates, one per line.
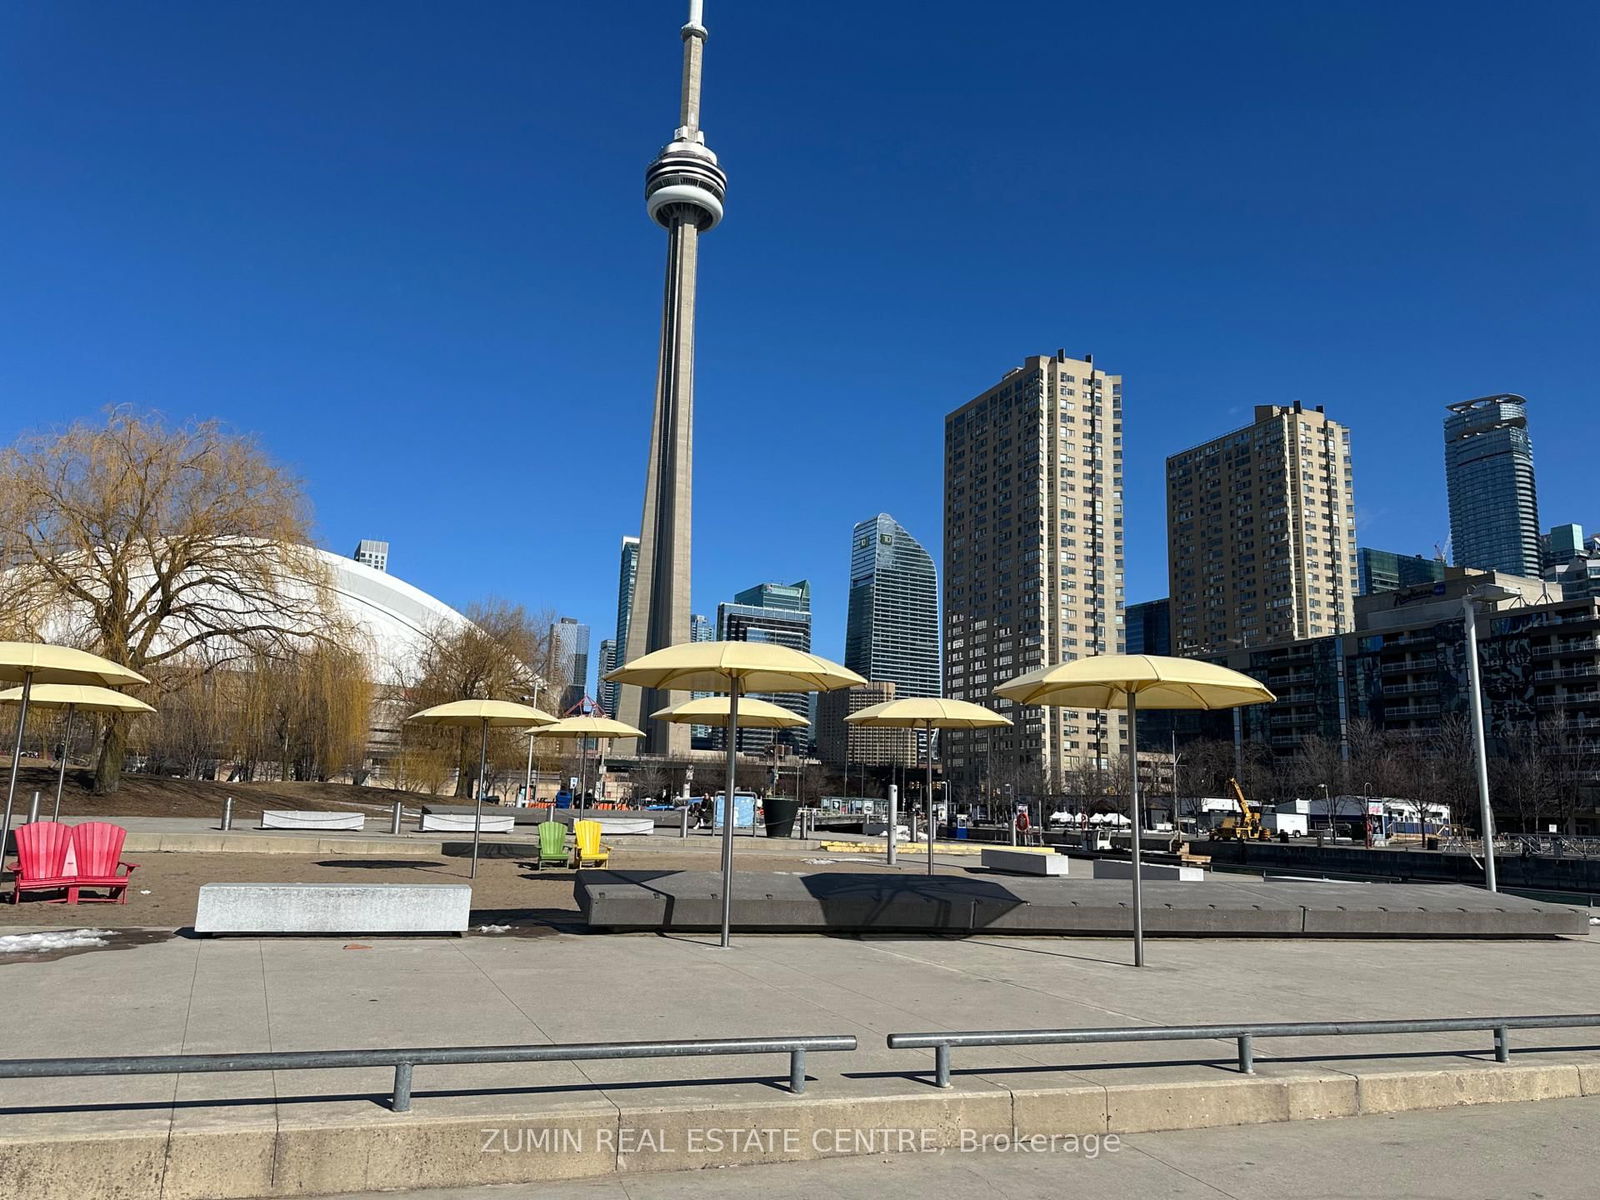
(1483, 593)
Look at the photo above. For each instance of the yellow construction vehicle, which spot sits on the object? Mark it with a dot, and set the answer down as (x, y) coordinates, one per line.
(1246, 827)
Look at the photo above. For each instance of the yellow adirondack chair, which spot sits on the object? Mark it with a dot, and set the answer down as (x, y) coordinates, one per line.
(590, 851)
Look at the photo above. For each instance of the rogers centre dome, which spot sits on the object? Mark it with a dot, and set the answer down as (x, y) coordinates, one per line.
(396, 617)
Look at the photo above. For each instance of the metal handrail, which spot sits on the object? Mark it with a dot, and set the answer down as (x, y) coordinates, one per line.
(402, 1060)
(1244, 1034)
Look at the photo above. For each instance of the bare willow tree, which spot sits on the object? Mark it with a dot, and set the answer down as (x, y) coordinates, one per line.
(499, 653)
(167, 548)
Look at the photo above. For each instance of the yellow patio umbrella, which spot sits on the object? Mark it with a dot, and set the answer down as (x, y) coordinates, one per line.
(75, 698)
(733, 668)
(1116, 680)
(928, 713)
(29, 663)
(498, 714)
(713, 710)
(585, 728)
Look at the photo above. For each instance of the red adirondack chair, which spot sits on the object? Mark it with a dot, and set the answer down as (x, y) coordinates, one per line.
(43, 850)
(97, 846)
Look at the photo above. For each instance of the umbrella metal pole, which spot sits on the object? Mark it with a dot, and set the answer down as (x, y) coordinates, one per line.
(1133, 806)
(527, 787)
(892, 832)
(728, 810)
(61, 771)
(477, 816)
(928, 800)
(16, 757)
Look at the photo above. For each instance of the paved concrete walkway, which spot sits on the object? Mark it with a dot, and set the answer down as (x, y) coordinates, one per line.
(1506, 1152)
(175, 995)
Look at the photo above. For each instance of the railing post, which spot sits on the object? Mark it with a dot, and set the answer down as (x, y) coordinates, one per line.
(797, 1070)
(941, 1065)
(394, 820)
(683, 824)
(1502, 1044)
(227, 814)
(402, 1088)
(1247, 1055)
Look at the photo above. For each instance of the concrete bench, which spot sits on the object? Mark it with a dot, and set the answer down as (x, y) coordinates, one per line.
(290, 818)
(624, 826)
(1122, 868)
(1025, 862)
(462, 823)
(333, 908)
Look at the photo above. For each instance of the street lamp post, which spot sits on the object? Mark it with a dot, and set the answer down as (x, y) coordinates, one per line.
(1484, 593)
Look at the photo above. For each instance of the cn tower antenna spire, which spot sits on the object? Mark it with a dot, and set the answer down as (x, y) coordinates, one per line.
(684, 189)
(694, 41)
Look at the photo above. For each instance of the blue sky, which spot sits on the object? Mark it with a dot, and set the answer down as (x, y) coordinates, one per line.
(405, 243)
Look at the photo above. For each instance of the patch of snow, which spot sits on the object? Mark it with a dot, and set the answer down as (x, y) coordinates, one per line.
(1594, 920)
(819, 861)
(493, 928)
(56, 939)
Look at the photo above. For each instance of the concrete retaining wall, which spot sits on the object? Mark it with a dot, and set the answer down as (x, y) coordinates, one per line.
(384, 1150)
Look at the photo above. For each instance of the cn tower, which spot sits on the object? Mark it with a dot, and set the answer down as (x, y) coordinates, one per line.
(683, 193)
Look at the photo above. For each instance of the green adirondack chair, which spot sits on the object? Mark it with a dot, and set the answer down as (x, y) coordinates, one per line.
(552, 845)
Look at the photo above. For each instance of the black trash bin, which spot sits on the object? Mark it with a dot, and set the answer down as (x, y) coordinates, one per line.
(780, 813)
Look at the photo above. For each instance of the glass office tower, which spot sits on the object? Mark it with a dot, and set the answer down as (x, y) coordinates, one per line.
(892, 627)
(1488, 469)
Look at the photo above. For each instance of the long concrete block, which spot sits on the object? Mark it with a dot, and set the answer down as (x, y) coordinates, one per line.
(434, 822)
(333, 908)
(1025, 862)
(288, 818)
(845, 902)
(1122, 868)
(1212, 907)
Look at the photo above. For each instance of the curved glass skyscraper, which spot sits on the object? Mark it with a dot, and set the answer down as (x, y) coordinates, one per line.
(892, 631)
(1488, 470)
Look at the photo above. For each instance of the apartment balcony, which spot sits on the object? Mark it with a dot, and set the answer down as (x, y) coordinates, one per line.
(1272, 681)
(1589, 645)
(1404, 665)
(1589, 671)
(1409, 689)
(1279, 721)
(1410, 712)
(1570, 700)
